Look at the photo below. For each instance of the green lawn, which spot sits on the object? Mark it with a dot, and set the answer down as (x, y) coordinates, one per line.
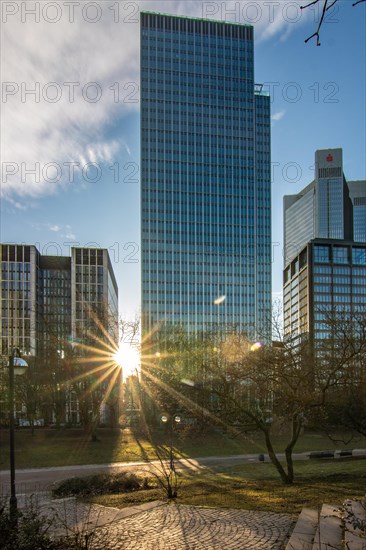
(257, 487)
(50, 447)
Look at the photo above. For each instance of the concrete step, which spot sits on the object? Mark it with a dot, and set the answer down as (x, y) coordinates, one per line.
(354, 525)
(302, 536)
(329, 532)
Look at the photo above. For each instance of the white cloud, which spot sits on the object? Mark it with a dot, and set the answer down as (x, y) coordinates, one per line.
(278, 116)
(17, 204)
(64, 231)
(55, 228)
(78, 60)
(70, 236)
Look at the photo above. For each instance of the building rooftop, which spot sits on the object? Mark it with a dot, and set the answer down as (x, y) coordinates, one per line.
(195, 18)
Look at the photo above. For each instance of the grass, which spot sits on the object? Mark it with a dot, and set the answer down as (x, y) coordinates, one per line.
(257, 487)
(50, 447)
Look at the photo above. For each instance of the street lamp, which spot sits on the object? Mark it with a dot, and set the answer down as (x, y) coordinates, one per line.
(17, 366)
(175, 419)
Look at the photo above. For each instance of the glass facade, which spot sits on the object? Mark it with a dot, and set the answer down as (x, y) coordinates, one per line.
(332, 283)
(329, 212)
(358, 196)
(205, 168)
(54, 307)
(298, 222)
(296, 296)
(341, 290)
(95, 299)
(89, 281)
(360, 222)
(19, 265)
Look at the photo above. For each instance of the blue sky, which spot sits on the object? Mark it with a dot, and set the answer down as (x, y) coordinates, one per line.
(79, 132)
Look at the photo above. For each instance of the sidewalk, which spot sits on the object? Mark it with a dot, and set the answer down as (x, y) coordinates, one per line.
(161, 526)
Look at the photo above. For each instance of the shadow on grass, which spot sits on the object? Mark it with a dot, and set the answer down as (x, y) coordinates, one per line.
(256, 487)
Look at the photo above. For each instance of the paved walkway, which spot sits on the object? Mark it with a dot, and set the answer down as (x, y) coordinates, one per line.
(160, 526)
(177, 527)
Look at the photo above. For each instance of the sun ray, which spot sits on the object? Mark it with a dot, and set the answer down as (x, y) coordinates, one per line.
(95, 317)
(190, 405)
(149, 335)
(93, 359)
(186, 401)
(89, 372)
(111, 384)
(98, 382)
(92, 348)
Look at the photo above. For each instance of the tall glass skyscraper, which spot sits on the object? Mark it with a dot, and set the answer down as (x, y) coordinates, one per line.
(325, 250)
(205, 172)
(322, 210)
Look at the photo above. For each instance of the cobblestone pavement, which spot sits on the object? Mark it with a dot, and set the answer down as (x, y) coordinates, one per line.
(178, 527)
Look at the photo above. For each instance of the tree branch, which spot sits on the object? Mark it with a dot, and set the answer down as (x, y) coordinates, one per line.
(326, 7)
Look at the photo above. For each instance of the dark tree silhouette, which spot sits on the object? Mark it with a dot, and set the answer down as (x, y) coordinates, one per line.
(327, 5)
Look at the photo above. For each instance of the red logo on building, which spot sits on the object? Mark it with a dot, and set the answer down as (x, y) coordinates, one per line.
(329, 158)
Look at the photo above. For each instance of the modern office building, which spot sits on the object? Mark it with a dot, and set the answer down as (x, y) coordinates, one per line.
(47, 301)
(52, 304)
(323, 209)
(205, 177)
(327, 278)
(357, 192)
(325, 263)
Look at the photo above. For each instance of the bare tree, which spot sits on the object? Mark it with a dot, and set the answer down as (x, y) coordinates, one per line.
(326, 6)
(253, 387)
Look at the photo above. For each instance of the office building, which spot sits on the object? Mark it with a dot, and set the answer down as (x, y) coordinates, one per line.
(205, 177)
(327, 278)
(323, 209)
(51, 305)
(48, 301)
(325, 263)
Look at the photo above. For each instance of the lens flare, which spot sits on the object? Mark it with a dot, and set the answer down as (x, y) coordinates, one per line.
(128, 358)
(255, 346)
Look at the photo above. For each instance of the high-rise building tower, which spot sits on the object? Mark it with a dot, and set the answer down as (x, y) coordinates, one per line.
(325, 250)
(205, 177)
(322, 210)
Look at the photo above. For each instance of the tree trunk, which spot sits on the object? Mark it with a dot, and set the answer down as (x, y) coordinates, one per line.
(290, 464)
(277, 464)
(296, 429)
